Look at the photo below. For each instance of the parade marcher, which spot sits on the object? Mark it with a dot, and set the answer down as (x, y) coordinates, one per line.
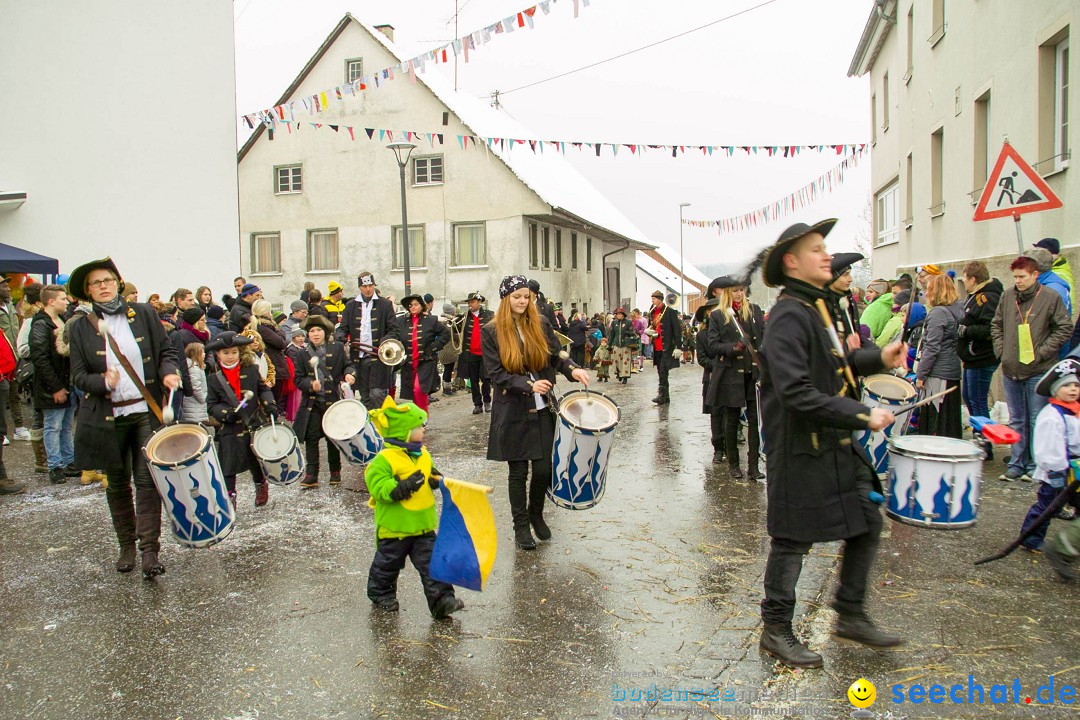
(664, 321)
(320, 391)
(623, 340)
(974, 345)
(52, 384)
(334, 304)
(689, 342)
(10, 324)
(400, 480)
(705, 360)
(1028, 329)
(368, 319)
(543, 307)
(734, 337)
(845, 309)
(522, 354)
(939, 363)
(215, 324)
(819, 482)
(240, 313)
(602, 356)
(124, 378)
(237, 374)
(471, 363)
(448, 356)
(423, 337)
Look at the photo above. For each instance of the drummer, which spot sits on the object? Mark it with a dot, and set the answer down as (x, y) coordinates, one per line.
(319, 390)
(225, 389)
(844, 309)
(423, 337)
(367, 320)
(521, 355)
(115, 419)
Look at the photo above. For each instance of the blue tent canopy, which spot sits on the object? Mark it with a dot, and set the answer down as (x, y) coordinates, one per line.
(13, 259)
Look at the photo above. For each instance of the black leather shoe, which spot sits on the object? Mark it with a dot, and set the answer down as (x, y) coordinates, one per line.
(446, 605)
(151, 567)
(736, 472)
(858, 628)
(779, 641)
(387, 604)
(540, 527)
(718, 456)
(661, 400)
(477, 409)
(71, 472)
(487, 407)
(523, 538)
(56, 476)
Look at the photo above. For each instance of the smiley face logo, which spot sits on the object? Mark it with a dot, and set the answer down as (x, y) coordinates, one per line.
(862, 693)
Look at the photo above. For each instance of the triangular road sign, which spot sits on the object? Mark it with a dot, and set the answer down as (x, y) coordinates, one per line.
(1014, 188)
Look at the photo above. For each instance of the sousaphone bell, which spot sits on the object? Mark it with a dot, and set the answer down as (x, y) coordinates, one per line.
(390, 351)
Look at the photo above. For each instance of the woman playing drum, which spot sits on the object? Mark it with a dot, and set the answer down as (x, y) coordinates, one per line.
(521, 355)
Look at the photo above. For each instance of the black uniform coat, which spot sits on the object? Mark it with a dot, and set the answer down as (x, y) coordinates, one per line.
(337, 365)
(705, 360)
(513, 434)
(96, 447)
(431, 336)
(234, 435)
(382, 323)
(808, 423)
(670, 335)
(466, 339)
(727, 382)
(51, 369)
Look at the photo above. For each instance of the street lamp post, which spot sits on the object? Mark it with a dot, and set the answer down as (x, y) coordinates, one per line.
(399, 148)
(682, 274)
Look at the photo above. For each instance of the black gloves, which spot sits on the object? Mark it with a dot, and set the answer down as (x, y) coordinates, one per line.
(433, 481)
(405, 488)
(960, 330)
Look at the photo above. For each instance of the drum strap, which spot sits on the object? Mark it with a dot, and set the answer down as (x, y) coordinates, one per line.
(132, 375)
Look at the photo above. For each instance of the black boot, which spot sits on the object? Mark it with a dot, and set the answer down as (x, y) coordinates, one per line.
(754, 471)
(735, 472)
(445, 606)
(779, 641)
(123, 519)
(718, 456)
(537, 498)
(148, 529)
(519, 511)
(858, 628)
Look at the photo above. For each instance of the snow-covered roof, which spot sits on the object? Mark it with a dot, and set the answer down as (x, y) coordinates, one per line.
(660, 271)
(689, 270)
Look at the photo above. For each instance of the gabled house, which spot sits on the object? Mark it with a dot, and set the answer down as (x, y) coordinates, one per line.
(316, 205)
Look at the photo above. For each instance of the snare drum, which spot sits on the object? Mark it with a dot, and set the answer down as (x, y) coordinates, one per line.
(347, 425)
(888, 392)
(584, 432)
(934, 481)
(188, 476)
(278, 453)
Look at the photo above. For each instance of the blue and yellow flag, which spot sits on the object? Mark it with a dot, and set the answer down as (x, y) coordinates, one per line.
(465, 547)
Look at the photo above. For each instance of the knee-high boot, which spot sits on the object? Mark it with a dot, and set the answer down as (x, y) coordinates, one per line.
(41, 459)
(519, 512)
(731, 430)
(122, 511)
(537, 497)
(148, 529)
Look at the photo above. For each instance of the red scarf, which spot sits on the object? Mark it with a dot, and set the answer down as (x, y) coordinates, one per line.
(658, 341)
(233, 376)
(474, 339)
(203, 335)
(1073, 407)
(419, 396)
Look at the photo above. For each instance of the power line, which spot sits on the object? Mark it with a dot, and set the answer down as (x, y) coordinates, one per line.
(644, 47)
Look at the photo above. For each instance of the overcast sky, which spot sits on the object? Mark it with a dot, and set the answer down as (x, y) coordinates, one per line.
(774, 75)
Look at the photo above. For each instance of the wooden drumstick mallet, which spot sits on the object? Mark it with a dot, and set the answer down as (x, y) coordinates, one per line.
(826, 317)
(314, 362)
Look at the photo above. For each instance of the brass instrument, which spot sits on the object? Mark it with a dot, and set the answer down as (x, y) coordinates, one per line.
(457, 334)
(390, 351)
(563, 340)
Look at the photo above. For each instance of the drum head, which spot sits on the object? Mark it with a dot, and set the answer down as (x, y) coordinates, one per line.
(344, 419)
(930, 446)
(271, 442)
(589, 411)
(176, 444)
(890, 386)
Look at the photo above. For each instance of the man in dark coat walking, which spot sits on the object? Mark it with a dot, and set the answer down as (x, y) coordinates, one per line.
(471, 360)
(819, 484)
(368, 319)
(664, 321)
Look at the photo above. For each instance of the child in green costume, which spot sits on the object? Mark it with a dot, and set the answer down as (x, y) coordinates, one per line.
(400, 480)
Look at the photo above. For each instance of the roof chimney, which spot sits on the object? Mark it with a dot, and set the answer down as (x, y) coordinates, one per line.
(387, 30)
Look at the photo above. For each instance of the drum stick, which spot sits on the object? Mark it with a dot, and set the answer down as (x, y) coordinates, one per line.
(746, 340)
(924, 401)
(826, 317)
(274, 425)
(243, 403)
(167, 414)
(314, 362)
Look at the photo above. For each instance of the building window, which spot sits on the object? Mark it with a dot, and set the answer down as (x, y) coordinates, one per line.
(909, 185)
(428, 170)
(886, 215)
(1061, 105)
(588, 254)
(910, 42)
(558, 249)
(288, 179)
(585, 309)
(873, 119)
(885, 102)
(938, 22)
(547, 246)
(1053, 107)
(981, 167)
(416, 247)
(265, 253)
(937, 172)
(354, 69)
(322, 251)
(469, 244)
(534, 254)
(573, 251)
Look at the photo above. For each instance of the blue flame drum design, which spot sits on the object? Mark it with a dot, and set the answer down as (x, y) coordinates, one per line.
(584, 433)
(934, 481)
(278, 453)
(887, 392)
(347, 425)
(188, 476)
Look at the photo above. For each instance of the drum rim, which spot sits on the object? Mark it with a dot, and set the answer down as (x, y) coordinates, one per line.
(892, 379)
(326, 413)
(584, 430)
(187, 424)
(277, 458)
(976, 453)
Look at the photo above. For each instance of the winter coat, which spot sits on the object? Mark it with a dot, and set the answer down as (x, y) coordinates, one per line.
(234, 435)
(195, 405)
(96, 445)
(239, 316)
(808, 420)
(513, 434)
(10, 322)
(975, 347)
(52, 371)
(178, 343)
(382, 321)
(938, 358)
(1051, 279)
(466, 332)
(577, 332)
(216, 327)
(727, 383)
(670, 335)
(893, 329)
(337, 366)
(274, 344)
(705, 360)
(622, 334)
(1050, 329)
(877, 314)
(431, 337)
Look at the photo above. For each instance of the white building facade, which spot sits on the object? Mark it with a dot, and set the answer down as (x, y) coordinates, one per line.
(130, 148)
(317, 205)
(950, 80)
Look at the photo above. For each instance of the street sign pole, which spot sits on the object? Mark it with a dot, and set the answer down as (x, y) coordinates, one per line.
(1019, 235)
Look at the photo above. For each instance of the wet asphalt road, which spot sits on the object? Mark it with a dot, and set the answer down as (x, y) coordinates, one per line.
(657, 586)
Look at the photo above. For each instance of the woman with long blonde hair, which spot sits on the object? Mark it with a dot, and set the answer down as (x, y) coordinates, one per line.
(521, 356)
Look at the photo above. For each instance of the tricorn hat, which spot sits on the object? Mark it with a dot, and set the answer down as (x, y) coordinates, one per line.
(228, 339)
(409, 298)
(705, 309)
(1066, 371)
(842, 261)
(476, 295)
(77, 279)
(318, 321)
(772, 266)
